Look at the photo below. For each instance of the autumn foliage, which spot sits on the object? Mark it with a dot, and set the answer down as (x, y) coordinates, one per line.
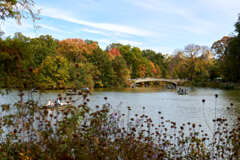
(76, 49)
(47, 63)
(113, 52)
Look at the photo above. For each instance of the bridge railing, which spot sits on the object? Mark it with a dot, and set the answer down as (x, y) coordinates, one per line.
(150, 78)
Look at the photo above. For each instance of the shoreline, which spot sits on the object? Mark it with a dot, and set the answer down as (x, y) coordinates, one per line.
(218, 85)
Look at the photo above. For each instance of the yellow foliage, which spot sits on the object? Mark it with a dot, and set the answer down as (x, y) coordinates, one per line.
(24, 156)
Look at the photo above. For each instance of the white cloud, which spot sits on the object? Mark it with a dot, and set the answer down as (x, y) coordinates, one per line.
(162, 49)
(10, 27)
(227, 5)
(105, 42)
(51, 28)
(196, 29)
(224, 9)
(54, 13)
(196, 25)
(27, 28)
(122, 41)
(12, 23)
(133, 43)
(94, 31)
(161, 6)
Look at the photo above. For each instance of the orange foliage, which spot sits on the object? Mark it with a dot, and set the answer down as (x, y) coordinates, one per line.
(36, 71)
(113, 52)
(158, 72)
(153, 68)
(76, 47)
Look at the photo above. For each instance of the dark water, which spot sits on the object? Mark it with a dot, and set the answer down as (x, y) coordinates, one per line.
(181, 109)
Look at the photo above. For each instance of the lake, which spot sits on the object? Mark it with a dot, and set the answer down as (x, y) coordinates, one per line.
(178, 108)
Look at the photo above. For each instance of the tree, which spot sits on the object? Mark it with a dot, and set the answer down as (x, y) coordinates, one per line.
(192, 51)
(103, 63)
(230, 62)
(219, 47)
(15, 60)
(83, 75)
(122, 72)
(237, 26)
(193, 64)
(177, 67)
(41, 47)
(76, 50)
(158, 59)
(17, 9)
(113, 52)
(53, 72)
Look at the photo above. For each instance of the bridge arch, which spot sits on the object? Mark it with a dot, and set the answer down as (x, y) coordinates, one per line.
(140, 80)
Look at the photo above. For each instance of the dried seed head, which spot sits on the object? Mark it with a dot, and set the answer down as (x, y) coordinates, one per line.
(193, 125)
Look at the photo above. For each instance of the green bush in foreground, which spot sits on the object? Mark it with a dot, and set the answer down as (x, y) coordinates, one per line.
(30, 131)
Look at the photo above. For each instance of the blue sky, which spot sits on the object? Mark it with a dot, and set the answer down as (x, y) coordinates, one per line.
(160, 25)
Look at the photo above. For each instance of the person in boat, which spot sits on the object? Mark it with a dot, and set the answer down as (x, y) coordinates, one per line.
(50, 103)
(34, 90)
(58, 101)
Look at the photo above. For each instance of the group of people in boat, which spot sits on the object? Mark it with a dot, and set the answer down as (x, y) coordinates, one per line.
(55, 103)
(73, 91)
(182, 91)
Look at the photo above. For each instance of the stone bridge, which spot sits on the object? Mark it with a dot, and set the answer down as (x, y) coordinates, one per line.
(175, 82)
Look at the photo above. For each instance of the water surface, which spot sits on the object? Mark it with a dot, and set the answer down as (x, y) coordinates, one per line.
(178, 108)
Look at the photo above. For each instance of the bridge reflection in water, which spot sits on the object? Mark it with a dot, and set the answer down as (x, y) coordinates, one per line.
(175, 82)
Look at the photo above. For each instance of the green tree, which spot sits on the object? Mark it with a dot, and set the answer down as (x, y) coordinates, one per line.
(231, 59)
(157, 59)
(122, 72)
(219, 49)
(83, 75)
(54, 72)
(103, 63)
(41, 47)
(15, 61)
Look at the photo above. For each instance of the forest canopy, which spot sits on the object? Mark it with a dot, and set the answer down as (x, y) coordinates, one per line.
(45, 62)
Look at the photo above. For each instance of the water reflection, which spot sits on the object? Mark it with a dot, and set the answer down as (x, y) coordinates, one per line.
(181, 109)
(233, 96)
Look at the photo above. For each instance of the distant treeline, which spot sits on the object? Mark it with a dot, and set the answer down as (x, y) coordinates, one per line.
(45, 62)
